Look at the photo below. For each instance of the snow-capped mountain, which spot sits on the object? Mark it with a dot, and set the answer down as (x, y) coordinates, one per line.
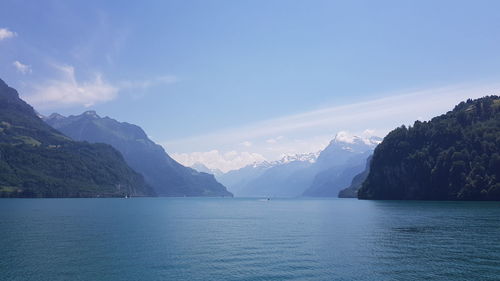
(344, 146)
(339, 162)
(304, 157)
(292, 175)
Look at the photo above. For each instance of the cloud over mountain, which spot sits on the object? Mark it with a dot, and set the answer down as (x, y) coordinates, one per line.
(223, 161)
(67, 90)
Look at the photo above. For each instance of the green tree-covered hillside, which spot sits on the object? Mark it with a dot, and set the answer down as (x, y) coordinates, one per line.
(38, 161)
(455, 156)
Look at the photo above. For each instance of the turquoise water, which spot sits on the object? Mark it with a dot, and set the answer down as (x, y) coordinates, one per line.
(247, 239)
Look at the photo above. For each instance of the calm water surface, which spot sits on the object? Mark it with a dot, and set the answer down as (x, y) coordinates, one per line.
(247, 239)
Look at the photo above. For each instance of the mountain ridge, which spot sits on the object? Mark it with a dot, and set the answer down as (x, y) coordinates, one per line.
(39, 161)
(164, 174)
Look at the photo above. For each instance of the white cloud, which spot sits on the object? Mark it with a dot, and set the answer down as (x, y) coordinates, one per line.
(214, 159)
(68, 91)
(246, 143)
(6, 33)
(22, 68)
(350, 137)
(345, 136)
(368, 133)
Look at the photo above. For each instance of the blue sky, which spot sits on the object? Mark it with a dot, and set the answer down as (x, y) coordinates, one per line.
(227, 82)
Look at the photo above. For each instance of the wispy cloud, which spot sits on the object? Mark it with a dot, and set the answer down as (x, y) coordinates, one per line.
(6, 33)
(312, 130)
(384, 113)
(224, 161)
(22, 68)
(67, 90)
(274, 140)
(147, 83)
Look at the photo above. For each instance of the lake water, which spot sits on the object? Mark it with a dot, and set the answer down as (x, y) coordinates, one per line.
(247, 239)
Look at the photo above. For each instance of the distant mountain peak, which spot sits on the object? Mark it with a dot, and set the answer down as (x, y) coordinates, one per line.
(353, 143)
(91, 113)
(310, 157)
(200, 167)
(55, 116)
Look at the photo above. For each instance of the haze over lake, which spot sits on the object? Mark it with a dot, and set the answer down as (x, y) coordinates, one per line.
(247, 239)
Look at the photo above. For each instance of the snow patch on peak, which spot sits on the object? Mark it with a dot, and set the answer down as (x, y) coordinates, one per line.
(303, 157)
(344, 137)
(91, 113)
(56, 116)
(287, 158)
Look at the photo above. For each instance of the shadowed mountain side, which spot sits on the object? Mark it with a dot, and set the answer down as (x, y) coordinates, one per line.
(329, 182)
(165, 175)
(356, 183)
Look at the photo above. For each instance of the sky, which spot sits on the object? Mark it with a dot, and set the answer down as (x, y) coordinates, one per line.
(228, 83)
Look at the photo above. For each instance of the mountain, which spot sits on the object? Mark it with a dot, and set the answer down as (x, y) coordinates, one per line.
(39, 161)
(282, 178)
(338, 163)
(279, 180)
(313, 174)
(204, 169)
(342, 148)
(455, 156)
(269, 178)
(165, 175)
(237, 180)
(356, 183)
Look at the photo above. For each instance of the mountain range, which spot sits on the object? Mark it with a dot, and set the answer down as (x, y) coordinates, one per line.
(165, 175)
(39, 161)
(313, 174)
(454, 156)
